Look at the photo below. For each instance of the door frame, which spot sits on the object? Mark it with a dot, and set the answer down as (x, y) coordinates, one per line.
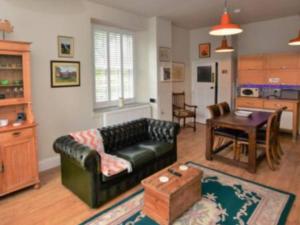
(194, 66)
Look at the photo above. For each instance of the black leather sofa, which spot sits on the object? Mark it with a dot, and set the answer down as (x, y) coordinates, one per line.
(148, 144)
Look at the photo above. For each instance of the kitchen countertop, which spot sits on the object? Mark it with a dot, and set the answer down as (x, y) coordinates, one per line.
(271, 99)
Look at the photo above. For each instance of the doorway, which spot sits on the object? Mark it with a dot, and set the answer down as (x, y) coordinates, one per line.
(204, 88)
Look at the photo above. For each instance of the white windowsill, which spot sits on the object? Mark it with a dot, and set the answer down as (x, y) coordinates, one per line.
(116, 108)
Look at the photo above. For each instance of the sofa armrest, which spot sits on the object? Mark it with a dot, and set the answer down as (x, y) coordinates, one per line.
(163, 130)
(80, 154)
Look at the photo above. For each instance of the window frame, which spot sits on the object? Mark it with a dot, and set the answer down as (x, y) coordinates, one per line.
(108, 29)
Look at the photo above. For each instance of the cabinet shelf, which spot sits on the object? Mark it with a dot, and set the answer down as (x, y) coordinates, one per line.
(10, 127)
(10, 86)
(7, 68)
(13, 101)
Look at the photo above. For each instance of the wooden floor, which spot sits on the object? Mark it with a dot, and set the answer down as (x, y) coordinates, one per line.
(54, 204)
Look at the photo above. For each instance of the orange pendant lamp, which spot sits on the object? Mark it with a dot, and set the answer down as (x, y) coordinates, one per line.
(224, 47)
(295, 41)
(226, 27)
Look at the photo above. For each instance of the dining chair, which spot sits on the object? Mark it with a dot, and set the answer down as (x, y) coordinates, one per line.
(268, 140)
(224, 107)
(221, 133)
(182, 110)
(277, 152)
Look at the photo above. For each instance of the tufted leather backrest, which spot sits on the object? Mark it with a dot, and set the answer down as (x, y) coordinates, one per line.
(162, 130)
(124, 135)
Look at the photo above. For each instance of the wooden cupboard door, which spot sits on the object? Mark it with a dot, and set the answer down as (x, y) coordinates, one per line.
(287, 76)
(269, 104)
(20, 164)
(1, 172)
(249, 103)
(283, 61)
(252, 77)
(251, 62)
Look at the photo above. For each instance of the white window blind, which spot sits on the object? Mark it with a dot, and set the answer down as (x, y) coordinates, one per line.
(114, 73)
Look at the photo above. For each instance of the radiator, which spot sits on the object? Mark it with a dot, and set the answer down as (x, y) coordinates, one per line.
(126, 114)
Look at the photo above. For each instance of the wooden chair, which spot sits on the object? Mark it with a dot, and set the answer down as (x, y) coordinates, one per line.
(221, 133)
(182, 110)
(268, 141)
(224, 107)
(277, 152)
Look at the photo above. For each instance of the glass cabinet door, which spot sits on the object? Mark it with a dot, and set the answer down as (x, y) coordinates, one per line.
(11, 77)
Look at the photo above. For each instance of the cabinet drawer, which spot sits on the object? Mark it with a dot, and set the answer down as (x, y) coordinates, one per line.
(16, 135)
(251, 103)
(278, 104)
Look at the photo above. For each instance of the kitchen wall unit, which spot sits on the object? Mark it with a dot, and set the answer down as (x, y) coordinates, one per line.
(279, 69)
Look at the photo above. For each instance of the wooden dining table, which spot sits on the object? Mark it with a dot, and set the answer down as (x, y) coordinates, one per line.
(250, 125)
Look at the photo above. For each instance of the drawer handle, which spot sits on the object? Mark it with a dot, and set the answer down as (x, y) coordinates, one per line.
(15, 134)
(1, 167)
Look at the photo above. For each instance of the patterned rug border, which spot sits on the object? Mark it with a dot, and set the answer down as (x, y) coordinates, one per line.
(288, 205)
(282, 219)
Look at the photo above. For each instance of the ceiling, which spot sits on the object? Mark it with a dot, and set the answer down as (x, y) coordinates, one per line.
(201, 13)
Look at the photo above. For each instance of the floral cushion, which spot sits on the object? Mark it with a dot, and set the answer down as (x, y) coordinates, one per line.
(110, 164)
(183, 112)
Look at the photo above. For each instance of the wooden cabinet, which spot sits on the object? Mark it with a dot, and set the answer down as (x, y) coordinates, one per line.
(283, 76)
(256, 62)
(279, 69)
(276, 104)
(18, 153)
(249, 102)
(252, 77)
(17, 157)
(282, 61)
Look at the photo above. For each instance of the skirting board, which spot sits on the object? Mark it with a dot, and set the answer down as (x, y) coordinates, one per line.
(49, 163)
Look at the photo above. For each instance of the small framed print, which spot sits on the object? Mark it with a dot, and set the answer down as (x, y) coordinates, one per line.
(178, 71)
(65, 46)
(165, 73)
(204, 50)
(65, 73)
(164, 54)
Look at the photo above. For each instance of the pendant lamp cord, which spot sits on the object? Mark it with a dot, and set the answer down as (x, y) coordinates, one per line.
(225, 6)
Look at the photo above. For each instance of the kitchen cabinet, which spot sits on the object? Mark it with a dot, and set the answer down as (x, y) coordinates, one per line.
(256, 62)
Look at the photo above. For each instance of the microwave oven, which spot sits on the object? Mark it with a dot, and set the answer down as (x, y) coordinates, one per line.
(250, 92)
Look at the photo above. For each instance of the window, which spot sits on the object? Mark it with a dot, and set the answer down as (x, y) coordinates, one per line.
(113, 63)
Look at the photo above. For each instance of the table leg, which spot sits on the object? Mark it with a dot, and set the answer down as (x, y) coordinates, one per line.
(209, 140)
(252, 151)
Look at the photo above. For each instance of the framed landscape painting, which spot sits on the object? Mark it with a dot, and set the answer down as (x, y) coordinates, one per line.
(65, 46)
(65, 73)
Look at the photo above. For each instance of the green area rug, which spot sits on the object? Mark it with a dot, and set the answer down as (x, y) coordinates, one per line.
(226, 200)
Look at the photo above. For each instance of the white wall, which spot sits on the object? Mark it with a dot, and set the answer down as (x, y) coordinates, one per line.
(201, 35)
(181, 53)
(61, 110)
(164, 39)
(269, 36)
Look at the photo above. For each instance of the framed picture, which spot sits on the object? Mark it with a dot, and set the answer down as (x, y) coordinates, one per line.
(164, 54)
(65, 46)
(65, 73)
(165, 73)
(178, 71)
(204, 50)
